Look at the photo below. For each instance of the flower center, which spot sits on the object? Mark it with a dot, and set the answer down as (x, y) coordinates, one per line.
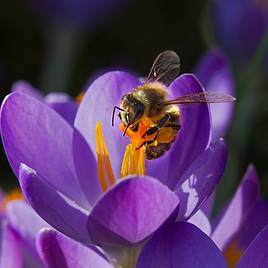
(232, 254)
(105, 172)
(133, 161)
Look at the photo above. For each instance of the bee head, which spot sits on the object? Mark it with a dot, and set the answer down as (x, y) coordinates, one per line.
(133, 110)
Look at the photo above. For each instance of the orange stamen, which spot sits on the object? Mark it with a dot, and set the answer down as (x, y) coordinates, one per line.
(105, 172)
(232, 254)
(133, 162)
(15, 194)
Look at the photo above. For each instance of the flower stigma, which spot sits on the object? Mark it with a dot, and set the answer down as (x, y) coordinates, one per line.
(105, 172)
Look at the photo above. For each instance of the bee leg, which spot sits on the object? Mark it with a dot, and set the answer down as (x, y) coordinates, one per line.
(162, 123)
(148, 142)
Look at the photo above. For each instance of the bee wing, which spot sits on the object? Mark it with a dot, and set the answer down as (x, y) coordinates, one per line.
(165, 68)
(202, 97)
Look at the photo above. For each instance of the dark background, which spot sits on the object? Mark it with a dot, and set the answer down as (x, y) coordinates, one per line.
(130, 37)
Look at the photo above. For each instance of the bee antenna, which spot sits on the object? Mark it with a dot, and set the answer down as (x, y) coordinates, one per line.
(118, 108)
(126, 129)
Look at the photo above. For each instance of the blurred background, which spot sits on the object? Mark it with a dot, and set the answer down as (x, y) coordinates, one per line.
(61, 45)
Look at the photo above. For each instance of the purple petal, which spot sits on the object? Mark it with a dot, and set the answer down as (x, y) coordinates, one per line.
(34, 134)
(63, 104)
(10, 255)
(207, 206)
(97, 105)
(180, 245)
(238, 211)
(54, 207)
(25, 222)
(256, 254)
(200, 179)
(257, 221)
(215, 74)
(239, 26)
(59, 251)
(193, 138)
(200, 220)
(86, 168)
(26, 88)
(132, 210)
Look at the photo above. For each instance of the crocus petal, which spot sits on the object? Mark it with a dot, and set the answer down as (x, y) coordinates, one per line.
(200, 220)
(86, 168)
(54, 207)
(63, 104)
(131, 210)
(238, 211)
(256, 254)
(26, 223)
(26, 88)
(97, 105)
(34, 134)
(200, 179)
(257, 221)
(215, 74)
(57, 250)
(10, 255)
(193, 138)
(180, 245)
(208, 205)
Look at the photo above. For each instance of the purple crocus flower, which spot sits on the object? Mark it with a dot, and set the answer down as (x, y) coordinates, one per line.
(214, 72)
(60, 102)
(239, 26)
(237, 227)
(240, 230)
(247, 218)
(70, 186)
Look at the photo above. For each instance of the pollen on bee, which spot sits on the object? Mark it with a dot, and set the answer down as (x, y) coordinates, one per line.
(136, 137)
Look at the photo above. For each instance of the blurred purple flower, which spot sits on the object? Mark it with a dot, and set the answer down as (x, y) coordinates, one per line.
(240, 26)
(214, 72)
(19, 225)
(79, 13)
(58, 172)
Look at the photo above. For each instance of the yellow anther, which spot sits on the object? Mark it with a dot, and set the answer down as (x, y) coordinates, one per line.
(105, 172)
(15, 194)
(133, 162)
(80, 97)
(232, 254)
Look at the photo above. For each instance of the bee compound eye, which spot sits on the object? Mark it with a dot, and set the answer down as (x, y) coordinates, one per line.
(127, 117)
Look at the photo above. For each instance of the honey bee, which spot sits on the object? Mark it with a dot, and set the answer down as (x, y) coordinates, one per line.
(148, 117)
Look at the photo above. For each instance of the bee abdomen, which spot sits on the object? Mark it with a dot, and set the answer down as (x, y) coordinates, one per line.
(153, 152)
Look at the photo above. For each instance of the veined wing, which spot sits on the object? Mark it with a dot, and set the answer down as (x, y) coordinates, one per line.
(165, 68)
(202, 97)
